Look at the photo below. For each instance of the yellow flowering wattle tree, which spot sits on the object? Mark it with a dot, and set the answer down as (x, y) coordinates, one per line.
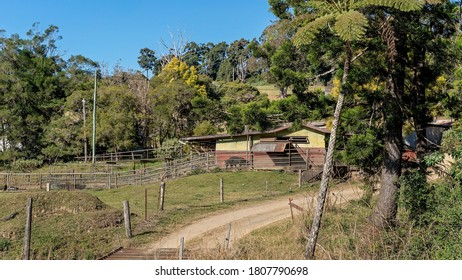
(177, 70)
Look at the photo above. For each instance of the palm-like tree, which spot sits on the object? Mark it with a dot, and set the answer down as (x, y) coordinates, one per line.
(349, 23)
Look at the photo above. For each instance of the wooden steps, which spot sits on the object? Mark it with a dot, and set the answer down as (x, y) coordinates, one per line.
(140, 254)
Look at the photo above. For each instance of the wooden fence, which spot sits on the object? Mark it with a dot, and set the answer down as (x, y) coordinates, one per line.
(72, 181)
(145, 154)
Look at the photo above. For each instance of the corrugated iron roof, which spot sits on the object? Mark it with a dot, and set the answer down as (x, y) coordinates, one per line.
(277, 147)
(282, 128)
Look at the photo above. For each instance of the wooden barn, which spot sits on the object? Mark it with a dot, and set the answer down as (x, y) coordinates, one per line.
(283, 148)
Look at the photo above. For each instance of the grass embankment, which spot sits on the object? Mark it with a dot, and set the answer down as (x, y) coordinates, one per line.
(89, 224)
(65, 225)
(345, 234)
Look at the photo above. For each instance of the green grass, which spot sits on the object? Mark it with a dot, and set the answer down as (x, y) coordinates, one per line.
(65, 225)
(344, 235)
(270, 90)
(89, 224)
(274, 93)
(190, 198)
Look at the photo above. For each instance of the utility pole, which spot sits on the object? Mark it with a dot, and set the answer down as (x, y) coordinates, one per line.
(85, 141)
(94, 124)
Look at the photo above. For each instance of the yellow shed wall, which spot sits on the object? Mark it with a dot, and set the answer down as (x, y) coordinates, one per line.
(316, 140)
(235, 144)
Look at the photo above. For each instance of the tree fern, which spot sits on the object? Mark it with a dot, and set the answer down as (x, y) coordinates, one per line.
(309, 31)
(351, 26)
(402, 5)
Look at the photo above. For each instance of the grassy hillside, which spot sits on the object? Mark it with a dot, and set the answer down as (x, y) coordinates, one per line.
(194, 197)
(274, 94)
(270, 90)
(345, 235)
(89, 224)
(70, 225)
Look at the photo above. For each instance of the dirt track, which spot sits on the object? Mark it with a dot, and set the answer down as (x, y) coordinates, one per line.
(211, 232)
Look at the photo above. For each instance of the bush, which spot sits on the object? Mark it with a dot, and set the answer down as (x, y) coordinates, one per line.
(25, 165)
(197, 171)
(4, 245)
(216, 170)
(417, 196)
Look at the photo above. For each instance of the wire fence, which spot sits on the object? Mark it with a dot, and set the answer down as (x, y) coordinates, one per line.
(171, 168)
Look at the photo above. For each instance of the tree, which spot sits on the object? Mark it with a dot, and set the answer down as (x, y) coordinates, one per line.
(350, 25)
(32, 90)
(171, 100)
(385, 211)
(213, 59)
(147, 60)
(283, 69)
(238, 55)
(116, 123)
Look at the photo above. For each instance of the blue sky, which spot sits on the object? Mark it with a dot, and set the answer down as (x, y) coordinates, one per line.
(114, 31)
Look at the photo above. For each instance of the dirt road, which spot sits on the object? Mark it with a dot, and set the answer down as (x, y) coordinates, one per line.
(211, 232)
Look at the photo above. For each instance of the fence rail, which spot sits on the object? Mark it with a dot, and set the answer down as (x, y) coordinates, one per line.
(72, 181)
(145, 154)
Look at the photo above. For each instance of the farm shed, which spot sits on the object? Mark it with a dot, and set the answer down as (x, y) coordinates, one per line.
(433, 134)
(282, 148)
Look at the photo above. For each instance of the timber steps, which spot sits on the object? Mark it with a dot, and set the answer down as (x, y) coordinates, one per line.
(140, 254)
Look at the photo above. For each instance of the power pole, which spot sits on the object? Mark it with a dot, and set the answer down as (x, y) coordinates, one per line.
(85, 141)
(94, 124)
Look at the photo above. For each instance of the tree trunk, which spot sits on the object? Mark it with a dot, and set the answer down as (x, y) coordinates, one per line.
(311, 246)
(283, 92)
(384, 214)
(419, 110)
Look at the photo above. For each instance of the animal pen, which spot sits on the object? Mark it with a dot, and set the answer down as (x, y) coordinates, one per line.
(170, 168)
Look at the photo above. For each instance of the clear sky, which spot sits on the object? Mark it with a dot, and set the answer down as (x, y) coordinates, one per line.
(114, 31)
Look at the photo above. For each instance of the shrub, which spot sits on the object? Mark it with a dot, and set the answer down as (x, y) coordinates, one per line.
(24, 165)
(4, 245)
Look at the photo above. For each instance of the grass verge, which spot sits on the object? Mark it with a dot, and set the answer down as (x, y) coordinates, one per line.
(89, 224)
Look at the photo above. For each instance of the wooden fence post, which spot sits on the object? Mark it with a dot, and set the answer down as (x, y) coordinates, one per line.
(109, 183)
(291, 211)
(190, 160)
(141, 176)
(299, 178)
(161, 196)
(74, 180)
(307, 159)
(228, 236)
(28, 229)
(180, 253)
(145, 204)
(128, 227)
(222, 195)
